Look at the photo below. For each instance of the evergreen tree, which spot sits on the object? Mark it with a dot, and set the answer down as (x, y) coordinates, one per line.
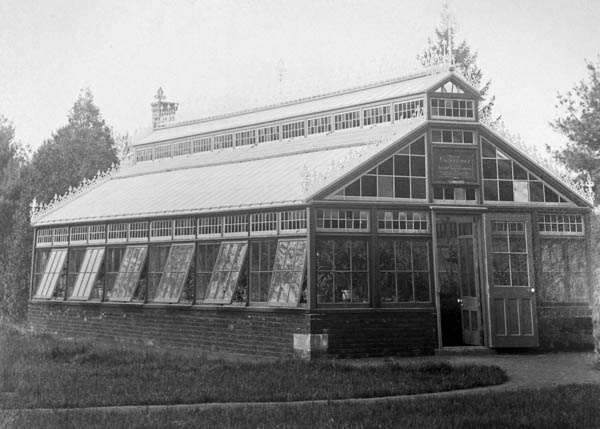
(581, 125)
(464, 59)
(12, 158)
(76, 151)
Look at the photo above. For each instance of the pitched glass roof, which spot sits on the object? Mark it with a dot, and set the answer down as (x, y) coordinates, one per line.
(272, 174)
(370, 93)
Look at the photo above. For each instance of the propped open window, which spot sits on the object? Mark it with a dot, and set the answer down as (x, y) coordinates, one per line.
(175, 273)
(288, 273)
(52, 273)
(226, 273)
(130, 270)
(88, 273)
(401, 176)
(506, 180)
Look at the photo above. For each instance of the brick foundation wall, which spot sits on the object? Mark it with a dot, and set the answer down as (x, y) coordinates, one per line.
(565, 327)
(227, 330)
(377, 332)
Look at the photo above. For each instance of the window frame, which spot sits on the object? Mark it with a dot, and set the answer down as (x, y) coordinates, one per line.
(177, 288)
(54, 272)
(92, 268)
(128, 289)
(223, 292)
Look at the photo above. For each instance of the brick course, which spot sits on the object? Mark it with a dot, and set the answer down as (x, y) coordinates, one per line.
(378, 332)
(241, 330)
(228, 330)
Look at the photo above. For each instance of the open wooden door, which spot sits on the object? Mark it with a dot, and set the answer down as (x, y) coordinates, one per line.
(511, 281)
(469, 273)
(458, 279)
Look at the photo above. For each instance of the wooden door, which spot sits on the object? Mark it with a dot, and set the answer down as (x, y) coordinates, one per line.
(469, 271)
(511, 281)
(459, 280)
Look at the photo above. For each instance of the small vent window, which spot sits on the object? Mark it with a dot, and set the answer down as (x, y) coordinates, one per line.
(319, 125)
(452, 108)
(223, 141)
(376, 115)
(347, 120)
(245, 138)
(268, 134)
(292, 129)
(342, 220)
(408, 109)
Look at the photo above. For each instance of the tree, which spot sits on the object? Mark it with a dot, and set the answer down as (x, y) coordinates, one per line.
(13, 157)
(76, 151)
(444, 44)
(581, 126)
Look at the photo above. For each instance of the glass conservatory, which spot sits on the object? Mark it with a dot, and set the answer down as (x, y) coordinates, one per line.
(380, 220)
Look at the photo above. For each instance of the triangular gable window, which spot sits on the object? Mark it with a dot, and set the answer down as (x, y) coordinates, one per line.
(449, 88)
(402, 176)
(506, 180)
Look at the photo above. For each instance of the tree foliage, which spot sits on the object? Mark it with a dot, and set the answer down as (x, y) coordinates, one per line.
(76, 151)
(464, 58)
(580, 123)
(13, 158)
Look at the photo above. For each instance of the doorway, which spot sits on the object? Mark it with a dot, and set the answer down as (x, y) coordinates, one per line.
(459, 279)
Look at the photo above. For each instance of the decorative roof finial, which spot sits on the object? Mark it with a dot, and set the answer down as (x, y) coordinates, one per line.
(160, 95)
(162, 111)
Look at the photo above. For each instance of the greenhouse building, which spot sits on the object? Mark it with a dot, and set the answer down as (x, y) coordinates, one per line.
(380, 220)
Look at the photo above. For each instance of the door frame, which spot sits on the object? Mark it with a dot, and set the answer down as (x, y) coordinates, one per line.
(480, 242)
(526, 218)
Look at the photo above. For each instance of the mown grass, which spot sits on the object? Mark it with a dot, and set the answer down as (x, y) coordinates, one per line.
(556, 407)
(39, 371)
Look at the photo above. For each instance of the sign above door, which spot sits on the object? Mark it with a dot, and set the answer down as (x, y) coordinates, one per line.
(455, 165)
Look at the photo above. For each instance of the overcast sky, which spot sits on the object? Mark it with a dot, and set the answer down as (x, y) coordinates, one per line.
(217, 56)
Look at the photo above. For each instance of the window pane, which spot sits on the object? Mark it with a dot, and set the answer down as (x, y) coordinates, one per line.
(360, 287)
(175, 272)
(405, 288)
(386, 255)
(402, 187)
(421, 287)
(489, 169)
(385, 186)
(417, 166)
(387, 286)
(419, 188)
(369, 186)
(130, 270)
(88, 273)
(224, 279)
(506, 190)
(52, 272)
(287, 280)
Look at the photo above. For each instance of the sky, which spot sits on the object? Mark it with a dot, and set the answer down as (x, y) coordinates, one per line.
(220, 56)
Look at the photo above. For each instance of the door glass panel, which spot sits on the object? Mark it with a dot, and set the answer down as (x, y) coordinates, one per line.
(509, 254)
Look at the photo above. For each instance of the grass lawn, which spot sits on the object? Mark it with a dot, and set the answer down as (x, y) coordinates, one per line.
(39, 371)
(557, 407)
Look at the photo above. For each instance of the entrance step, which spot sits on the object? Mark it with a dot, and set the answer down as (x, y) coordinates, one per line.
(464, 350)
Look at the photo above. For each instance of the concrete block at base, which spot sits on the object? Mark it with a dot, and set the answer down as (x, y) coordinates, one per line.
(309, 346)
